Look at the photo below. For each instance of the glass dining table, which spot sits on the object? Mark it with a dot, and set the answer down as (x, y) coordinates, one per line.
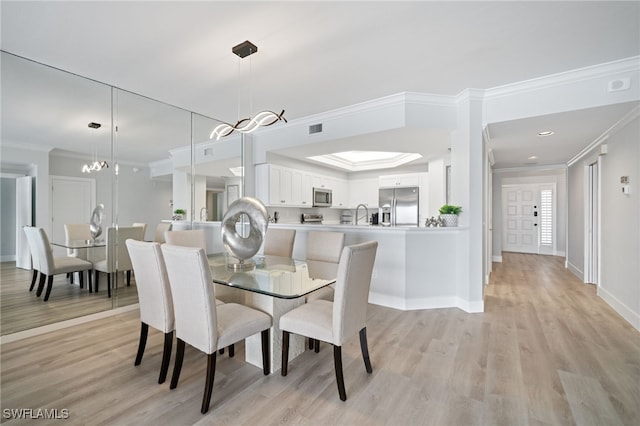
(274, 285)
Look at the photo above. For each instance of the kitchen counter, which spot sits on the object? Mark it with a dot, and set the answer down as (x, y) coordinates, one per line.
(415, 267)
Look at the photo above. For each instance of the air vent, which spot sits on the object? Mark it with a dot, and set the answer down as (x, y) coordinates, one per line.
(315, 128)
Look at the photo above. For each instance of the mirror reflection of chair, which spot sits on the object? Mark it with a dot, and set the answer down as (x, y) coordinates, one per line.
(35, 258)
(143, 226)
(336, 322)
(77, 232)
(161, 228)
(117, 259)
(50, 266)
(279, 242)
(202, 323)
(154, 297)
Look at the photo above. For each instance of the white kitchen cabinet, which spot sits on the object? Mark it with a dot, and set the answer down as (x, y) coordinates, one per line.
(282, 186)
(363, 191)
(301, 189)
(409, 179)
(339, 192)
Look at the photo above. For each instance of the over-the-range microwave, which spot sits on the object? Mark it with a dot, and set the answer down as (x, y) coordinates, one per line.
(321, 197)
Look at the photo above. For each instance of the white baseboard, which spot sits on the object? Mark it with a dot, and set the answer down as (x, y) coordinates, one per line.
(8, 338)
(8, 258)
(560, 253)
(497, 259)
(574, 270)
(625, 312)
(425, 303)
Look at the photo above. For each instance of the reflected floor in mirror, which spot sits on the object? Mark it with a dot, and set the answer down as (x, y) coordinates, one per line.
(21, 310)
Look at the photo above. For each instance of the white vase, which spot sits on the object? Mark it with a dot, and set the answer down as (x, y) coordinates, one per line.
(449, 219)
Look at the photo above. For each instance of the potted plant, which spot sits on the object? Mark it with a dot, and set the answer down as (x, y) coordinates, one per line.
(178, 214)
(449, 214)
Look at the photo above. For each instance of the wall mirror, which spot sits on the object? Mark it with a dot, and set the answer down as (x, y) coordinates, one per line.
(46, 135)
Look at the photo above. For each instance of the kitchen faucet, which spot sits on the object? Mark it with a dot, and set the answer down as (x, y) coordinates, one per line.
(366, 211)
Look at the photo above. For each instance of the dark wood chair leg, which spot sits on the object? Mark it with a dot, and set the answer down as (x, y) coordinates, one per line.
(311, 343)
(33, 280)
(285, 352)
(128, 278)
(232, 351)
(208, 387)
(109, 284)
(142, 343)
(316, 344)
(337, 361)
(266, 358)
(49, 286)
(365, 350)
(43, 277)
(89, 277)
(81, 275)
(166, 356)
(177, 366)
(221, 351)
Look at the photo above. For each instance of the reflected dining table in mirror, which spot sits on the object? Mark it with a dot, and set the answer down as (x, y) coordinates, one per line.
(92, 256)
(272, 284)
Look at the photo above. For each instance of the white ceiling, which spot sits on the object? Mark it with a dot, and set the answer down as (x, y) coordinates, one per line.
(318, 56)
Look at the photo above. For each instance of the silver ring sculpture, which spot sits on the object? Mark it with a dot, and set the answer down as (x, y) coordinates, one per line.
(240, 247)
(95, 225)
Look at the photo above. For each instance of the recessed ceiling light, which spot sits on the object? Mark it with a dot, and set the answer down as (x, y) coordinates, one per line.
(533, 157)
(546, 133)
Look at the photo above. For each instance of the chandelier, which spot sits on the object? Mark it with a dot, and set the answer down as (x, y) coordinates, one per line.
(96, 165)
(249, 124)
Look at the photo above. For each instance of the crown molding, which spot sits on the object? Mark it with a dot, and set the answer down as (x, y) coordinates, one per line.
(27, 146)
(530, 168)
(631, 115)
(587, 73)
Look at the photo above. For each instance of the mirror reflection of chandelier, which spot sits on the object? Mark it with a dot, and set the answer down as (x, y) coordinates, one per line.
(96, 165)
(247, 125)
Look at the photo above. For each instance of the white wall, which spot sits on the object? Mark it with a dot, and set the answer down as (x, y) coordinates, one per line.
(619, 221)
(575, 232)
(8, 221)
(620, 224)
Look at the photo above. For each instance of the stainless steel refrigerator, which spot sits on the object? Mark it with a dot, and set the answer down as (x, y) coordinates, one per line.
(399, 206)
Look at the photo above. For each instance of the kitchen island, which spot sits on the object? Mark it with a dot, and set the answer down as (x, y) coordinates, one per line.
(415, 267)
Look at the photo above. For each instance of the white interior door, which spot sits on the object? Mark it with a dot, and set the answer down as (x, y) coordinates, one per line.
(520, 218)
(591, 224)
(72, 201)
(24, 217)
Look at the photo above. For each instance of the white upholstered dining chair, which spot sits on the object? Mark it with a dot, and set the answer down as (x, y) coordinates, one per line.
(117, 259)
(77, 232)
(154, 297)
(187, 238)
(50, 266)
(324, 249)
(161, 228)
(143, 226)
(202, 323)
(336, 322)
(279, 242)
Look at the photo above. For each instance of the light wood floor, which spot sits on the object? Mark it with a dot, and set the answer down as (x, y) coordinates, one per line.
(546, 351)
(21, 310)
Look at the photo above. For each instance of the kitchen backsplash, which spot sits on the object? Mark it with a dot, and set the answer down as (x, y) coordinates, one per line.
(292, 214)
